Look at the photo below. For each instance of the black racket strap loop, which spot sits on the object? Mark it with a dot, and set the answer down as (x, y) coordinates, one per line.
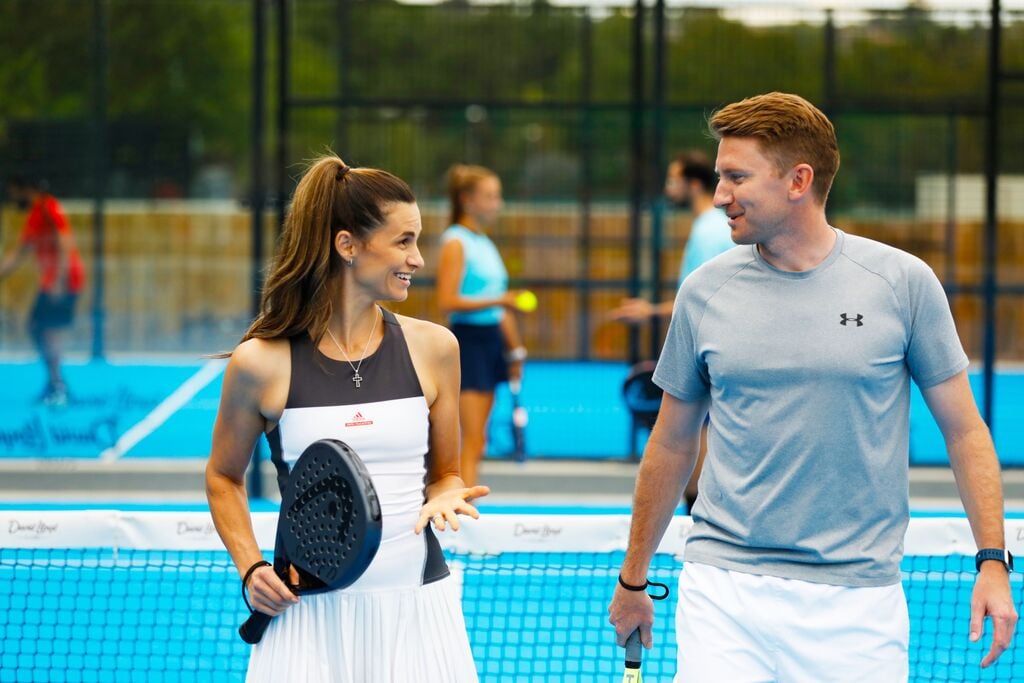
(662, 586)
(245, 580)
(637, 589)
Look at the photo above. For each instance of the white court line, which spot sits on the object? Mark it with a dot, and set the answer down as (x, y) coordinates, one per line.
(170, 405)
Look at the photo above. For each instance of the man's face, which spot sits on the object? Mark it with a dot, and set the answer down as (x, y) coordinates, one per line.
(751, 191)
(676, 189)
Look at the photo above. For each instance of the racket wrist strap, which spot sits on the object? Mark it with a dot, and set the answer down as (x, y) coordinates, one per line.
(245, 580)
(637, 589)
(631, 587)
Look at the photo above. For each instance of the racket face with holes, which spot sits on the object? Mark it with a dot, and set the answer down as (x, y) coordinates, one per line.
(330, 521)
(642, 395)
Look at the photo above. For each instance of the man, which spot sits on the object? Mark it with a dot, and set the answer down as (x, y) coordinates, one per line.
(803, 343)
(689, 182)
(47, 233)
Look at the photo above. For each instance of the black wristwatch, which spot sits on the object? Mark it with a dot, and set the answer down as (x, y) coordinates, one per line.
(999, 554)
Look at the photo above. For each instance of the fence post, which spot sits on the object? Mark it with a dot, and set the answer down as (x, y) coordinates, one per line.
(99, 181)
(257, 196)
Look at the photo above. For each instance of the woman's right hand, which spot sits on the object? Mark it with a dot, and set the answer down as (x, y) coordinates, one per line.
(508, 299)
(268, 593)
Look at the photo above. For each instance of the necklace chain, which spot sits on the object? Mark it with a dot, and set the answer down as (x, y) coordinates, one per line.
(356, 377)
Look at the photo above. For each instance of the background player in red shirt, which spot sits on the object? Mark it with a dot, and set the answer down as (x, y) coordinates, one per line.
(48, 234)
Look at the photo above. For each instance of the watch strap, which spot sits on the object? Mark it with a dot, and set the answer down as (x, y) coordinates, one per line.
(999, 554)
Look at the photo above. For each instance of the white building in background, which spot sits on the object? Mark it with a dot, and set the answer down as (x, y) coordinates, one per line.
(934, 192)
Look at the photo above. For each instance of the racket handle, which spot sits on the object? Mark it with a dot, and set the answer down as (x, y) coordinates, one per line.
(633, 650)
(253, 628)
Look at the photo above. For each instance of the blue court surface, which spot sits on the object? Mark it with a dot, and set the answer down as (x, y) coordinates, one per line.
(161, 410)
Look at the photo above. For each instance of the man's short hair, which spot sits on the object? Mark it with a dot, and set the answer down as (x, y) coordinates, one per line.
(788, 129)
(697, 166)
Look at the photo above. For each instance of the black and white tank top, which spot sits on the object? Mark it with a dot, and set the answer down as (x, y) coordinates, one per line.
(386, 421)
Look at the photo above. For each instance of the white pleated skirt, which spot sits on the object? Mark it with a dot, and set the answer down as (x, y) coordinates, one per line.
(402, 635)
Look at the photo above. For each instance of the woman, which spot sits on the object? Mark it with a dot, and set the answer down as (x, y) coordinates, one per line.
(320, 352)
(472, 288)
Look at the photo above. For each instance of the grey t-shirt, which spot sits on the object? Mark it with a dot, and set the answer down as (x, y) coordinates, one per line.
(806, 475)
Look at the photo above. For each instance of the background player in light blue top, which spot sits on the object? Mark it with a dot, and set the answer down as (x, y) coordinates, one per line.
(803, 343)
(472, 289)
(689, 182)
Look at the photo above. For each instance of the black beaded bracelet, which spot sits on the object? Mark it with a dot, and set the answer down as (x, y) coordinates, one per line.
(637, 589)
(245, 580)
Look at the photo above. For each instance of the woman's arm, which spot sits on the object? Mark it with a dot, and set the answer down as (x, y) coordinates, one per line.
(515, 351)
(446, 493)
(240, 420)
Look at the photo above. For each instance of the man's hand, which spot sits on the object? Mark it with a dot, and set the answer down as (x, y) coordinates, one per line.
(630, 610)
(632, 311)
(992, 598)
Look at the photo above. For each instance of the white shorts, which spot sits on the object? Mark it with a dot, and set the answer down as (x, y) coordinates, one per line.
(747, 628)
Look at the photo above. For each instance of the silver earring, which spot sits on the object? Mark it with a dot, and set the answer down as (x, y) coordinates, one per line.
(351, 262)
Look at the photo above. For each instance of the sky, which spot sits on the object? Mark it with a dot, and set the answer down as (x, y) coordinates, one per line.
(774, 5)
(776, 12)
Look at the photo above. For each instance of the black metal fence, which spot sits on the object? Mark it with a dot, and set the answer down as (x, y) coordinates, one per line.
(196, 116)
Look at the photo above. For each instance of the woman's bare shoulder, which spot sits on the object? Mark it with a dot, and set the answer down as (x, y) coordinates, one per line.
(437, 340)
(261, 360)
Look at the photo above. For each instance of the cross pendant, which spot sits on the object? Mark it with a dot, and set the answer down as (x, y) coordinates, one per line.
(357, 378)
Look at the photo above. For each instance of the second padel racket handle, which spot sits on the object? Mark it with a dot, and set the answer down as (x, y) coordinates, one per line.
(254, 627)
(633, 650)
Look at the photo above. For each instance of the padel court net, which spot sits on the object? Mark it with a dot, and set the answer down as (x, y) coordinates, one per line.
(98, 596)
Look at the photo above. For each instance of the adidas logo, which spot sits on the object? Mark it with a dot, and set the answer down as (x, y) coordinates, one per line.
(358, 420)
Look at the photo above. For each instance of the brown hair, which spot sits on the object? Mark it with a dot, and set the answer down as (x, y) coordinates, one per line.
(788, 129)
(330, 197)
(697, 166)
(464, 178)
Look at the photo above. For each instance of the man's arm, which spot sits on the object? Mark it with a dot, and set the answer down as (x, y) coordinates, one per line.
(640, 310)
(976, 468)
(667, 463)
(12, 259)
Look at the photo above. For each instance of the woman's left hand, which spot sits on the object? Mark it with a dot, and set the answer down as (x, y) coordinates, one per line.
(444, 509)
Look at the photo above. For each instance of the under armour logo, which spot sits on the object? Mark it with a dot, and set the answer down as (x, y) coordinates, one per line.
(855, 319)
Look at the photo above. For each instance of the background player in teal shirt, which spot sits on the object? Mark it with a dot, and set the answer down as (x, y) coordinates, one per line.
(472, 289)
(689, 182)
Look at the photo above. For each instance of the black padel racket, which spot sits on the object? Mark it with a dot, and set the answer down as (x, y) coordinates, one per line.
(642, 395)
(329, 526)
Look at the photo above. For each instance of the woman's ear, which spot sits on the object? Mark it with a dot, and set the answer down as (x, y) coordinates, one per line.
(464, 198)
(345, 245)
